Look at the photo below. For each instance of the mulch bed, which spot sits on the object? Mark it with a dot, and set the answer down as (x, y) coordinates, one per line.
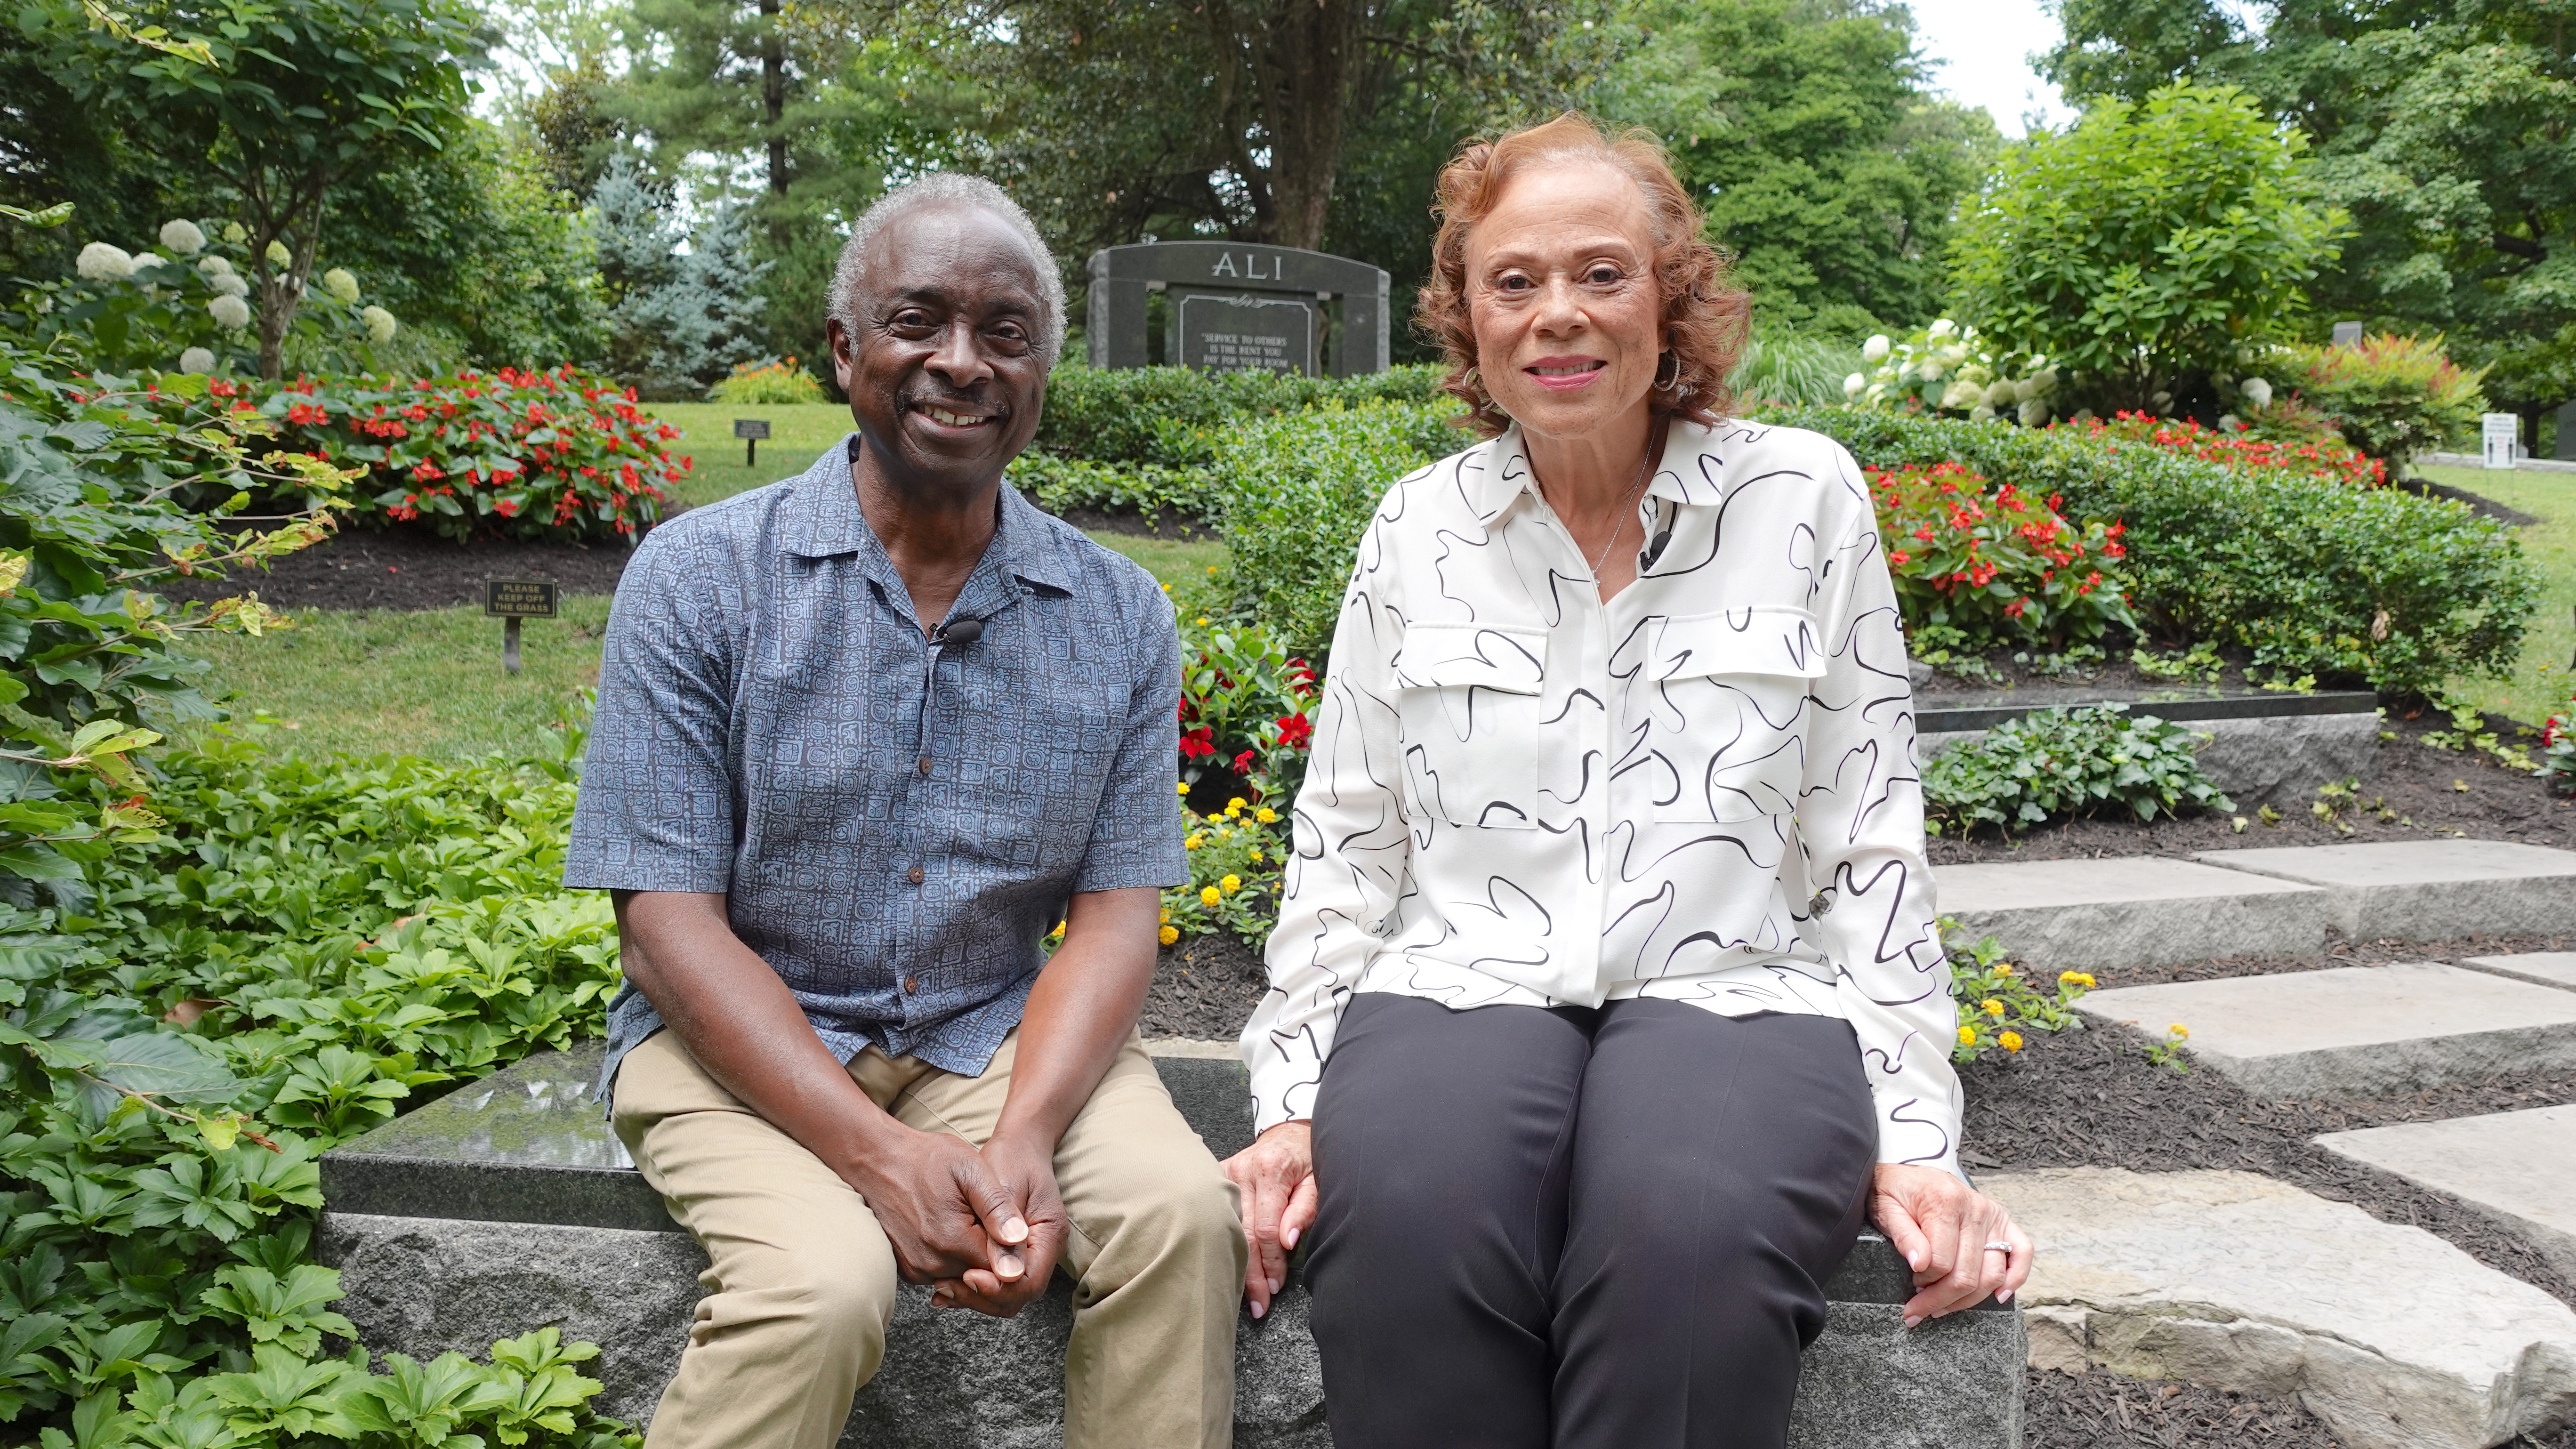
(1204, 988)
(2416, 787)
(2100, 1410)
(400, 569)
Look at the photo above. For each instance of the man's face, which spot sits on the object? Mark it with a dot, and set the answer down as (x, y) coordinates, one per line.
(943, 373)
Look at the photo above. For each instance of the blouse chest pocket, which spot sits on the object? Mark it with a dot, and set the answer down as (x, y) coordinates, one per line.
(1469, 698)
(1726, 697)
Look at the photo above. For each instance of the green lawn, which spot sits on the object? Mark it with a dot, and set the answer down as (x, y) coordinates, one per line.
(798, 433)
(2541, 682)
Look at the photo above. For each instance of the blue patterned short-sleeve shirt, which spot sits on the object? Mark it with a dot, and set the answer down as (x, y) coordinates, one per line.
(895, 825)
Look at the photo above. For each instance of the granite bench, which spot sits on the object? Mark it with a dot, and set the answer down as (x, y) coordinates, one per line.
(508, 1205)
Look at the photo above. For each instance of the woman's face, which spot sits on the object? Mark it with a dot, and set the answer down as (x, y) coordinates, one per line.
(1561, 293)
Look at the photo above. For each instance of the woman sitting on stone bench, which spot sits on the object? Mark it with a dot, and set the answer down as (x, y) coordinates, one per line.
(1606, 1001)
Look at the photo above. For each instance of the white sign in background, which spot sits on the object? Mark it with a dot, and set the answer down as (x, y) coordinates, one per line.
(2502, 433)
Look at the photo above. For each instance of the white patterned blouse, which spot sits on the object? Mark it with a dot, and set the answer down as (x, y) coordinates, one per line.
(1704, 789)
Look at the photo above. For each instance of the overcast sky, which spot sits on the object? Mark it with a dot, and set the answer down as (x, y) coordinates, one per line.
(1983, 47)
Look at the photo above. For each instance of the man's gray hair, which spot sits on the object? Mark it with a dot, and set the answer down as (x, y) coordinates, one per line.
(950, 188)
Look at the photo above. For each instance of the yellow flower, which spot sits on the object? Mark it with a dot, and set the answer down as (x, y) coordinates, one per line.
(1183, 786)
(1266, 815)
(1208, 896)
(1202, 618)
(1058, 933)
(1991, 1007)
(2074, 978)
(2179, 1030)
(1235, 805)
(1194, 842)
(2010, 1041)
(1967, 1036)
(2003, 968)
(1167, 918)
(1232, 884)
(1167, 588)
(1256, 857)
(1168, 935)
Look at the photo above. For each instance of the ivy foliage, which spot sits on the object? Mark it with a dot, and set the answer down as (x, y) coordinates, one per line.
(2053, 763)
(296, 952)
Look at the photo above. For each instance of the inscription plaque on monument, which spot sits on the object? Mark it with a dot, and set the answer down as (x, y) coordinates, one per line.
(1235, 306)
(1246, 334)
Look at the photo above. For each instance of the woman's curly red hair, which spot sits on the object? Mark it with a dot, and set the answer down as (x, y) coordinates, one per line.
(1705, 317)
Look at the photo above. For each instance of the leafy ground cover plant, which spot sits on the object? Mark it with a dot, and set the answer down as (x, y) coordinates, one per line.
(543, 455)
(2308, 576)
(1236, 859)
(2391, 397)
(2241, 449)
(2060, 762)
(1246, 702)
(1979, 565)
(1998, 1004)
(297, 949)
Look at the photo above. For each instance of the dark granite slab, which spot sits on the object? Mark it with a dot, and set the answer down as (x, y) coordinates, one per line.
(530, 1145)
(1951, 710)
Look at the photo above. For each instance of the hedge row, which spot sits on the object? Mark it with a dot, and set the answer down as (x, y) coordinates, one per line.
(2307, 574)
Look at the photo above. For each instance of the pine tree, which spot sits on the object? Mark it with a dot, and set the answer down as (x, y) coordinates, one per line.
(677, 322)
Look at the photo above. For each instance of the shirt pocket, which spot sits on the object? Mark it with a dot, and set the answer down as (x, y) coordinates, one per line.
(1727, 701)
(1468, 696)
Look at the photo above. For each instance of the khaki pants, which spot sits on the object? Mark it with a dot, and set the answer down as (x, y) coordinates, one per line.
(802, 1281)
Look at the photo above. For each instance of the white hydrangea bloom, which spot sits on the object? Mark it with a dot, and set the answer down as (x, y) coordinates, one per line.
(278, 255)
(195, 359)
(1962, 393)
(1930, 369)
(1943, 327)
(381, 325)
(233, 233)
(214, 266)
(1981, 414)
(230, 312)
(2257, 391)
(183, 238)
(100, 262)
(339, 283)
(143, 261)
(1999, 394)
(1853, 384)
(232, 284)
(1874, 351)
(2033, 413)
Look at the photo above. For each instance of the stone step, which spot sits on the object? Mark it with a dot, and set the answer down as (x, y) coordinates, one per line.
(2424, 890)
(2517, 1167)
(2132, 911)
(2231, 1280)
(2544, 968)
(508, 1204)
(2356, 1030)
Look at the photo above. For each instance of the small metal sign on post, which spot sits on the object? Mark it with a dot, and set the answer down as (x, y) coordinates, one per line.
(511, 600)
(2347, 334)
(751, 431)
(2502, 433)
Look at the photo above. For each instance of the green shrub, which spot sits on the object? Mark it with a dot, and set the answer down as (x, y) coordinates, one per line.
(2391, 397)
(2147, 245)
(2309, 575)
(768, 383)
(1791, 368)
(1062, 484)
(1174, 416)
(1299, 490)
(301, 947)
(2057, 762)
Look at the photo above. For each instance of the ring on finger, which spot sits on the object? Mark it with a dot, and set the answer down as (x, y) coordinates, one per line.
(2000, 1246)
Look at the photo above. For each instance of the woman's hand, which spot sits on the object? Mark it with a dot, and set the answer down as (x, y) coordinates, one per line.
(1942, 1226)
(1277, 1176)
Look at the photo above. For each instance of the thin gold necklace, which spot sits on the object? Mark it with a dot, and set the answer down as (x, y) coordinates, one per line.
(1619, 525)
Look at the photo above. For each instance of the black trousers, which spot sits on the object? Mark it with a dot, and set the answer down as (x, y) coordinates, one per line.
(1587, 1229)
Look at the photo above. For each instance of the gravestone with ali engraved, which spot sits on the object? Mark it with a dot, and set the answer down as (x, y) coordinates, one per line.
(1239, 306)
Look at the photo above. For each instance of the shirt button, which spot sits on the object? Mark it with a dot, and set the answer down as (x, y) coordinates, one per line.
(925, 764)
(911, 984)
(913, 875)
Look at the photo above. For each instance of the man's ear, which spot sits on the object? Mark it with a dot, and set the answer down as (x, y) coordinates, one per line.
(837, 337)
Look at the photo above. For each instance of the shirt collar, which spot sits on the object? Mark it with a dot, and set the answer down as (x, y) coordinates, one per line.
(1499, 474)
(823, 520)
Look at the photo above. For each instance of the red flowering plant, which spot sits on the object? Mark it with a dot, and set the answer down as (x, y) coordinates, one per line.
(540, 455)
(2241, 448)
(2558, 751)
(1979, 564)
(1245, 704)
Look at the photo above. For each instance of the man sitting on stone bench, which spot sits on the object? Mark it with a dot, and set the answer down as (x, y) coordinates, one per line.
(863, 736)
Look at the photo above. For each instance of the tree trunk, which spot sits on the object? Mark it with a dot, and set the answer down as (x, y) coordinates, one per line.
(282, 291)
(773, 93)
(1308, 60)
